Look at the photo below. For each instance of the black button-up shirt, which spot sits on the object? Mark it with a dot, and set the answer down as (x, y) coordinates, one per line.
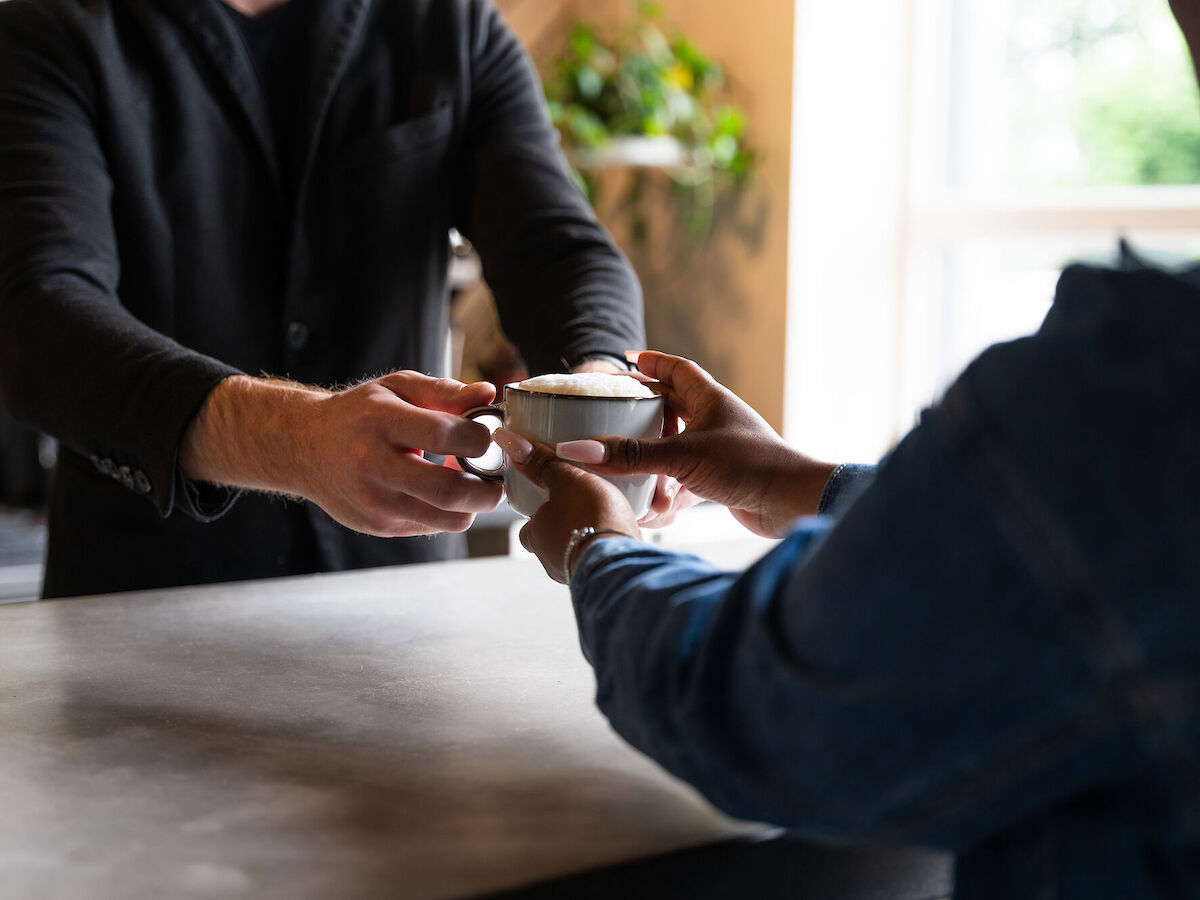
(151, 245)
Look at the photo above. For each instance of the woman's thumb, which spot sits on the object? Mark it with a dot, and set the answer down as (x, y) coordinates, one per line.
(626, 456)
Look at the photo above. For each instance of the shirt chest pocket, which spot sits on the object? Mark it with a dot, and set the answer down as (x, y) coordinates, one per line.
(386, 211)
(424, 135)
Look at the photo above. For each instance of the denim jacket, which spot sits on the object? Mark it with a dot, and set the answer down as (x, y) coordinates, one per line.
(990, 644)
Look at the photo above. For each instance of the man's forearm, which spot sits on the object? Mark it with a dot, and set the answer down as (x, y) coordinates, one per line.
(246, 434)
(356, 453)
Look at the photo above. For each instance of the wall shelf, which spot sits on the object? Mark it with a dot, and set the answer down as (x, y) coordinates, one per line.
(632, 152)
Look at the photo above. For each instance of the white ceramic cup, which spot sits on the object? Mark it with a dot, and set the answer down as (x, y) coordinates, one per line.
(554, 418)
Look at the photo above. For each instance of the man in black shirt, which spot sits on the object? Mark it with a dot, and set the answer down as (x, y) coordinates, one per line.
(214, 219)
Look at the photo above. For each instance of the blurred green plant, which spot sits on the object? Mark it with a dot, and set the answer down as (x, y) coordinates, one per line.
(1129, 104)
(643, 83)
(1139, 124)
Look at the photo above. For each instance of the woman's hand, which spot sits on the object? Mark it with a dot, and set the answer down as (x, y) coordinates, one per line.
(726, 453)
(577, 499)
(668, 499)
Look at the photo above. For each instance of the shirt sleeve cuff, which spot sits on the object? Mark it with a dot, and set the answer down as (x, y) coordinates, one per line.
(598, 549)
(619, 361)
(198, 500)
(201, 501)
(842, 488)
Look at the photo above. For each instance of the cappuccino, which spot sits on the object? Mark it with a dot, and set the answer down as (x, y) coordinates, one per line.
(586, 384)
(557, 408)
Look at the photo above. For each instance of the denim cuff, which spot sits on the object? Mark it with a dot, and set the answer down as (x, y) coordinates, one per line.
(599, 549)
(845, 483)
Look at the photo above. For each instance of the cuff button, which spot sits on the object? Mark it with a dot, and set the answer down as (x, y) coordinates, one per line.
(297, 336)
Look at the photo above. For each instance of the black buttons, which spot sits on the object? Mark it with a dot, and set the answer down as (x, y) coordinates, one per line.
(134, 479)
(297, 336)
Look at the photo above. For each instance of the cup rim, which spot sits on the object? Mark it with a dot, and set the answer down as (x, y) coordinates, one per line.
(515, 388)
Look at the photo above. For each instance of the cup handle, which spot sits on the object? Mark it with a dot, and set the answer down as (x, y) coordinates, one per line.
(494, 475)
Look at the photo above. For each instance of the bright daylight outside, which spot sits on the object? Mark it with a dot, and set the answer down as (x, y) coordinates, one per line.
(1065, 127)
(949, 160)
(1091, 93)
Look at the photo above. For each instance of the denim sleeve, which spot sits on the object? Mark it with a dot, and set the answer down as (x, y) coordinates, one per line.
(895, 674)
(843, 486)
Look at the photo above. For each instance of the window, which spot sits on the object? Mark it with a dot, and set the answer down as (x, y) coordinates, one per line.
(1008, 139)
(1045, 94)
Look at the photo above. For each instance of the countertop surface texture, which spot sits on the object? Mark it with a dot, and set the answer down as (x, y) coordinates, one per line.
(424, 731)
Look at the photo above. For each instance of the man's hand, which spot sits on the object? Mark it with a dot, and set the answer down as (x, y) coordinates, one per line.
(577, 498)
(726, 452)
(356, 453)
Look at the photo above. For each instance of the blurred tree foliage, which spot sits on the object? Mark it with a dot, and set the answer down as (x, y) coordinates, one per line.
(1132, 108)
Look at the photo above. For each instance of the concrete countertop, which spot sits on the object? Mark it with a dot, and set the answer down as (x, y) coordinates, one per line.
(424, 731)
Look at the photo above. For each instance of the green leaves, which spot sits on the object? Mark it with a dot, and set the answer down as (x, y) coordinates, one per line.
(642, 83)
(582, 43)
(589, 83)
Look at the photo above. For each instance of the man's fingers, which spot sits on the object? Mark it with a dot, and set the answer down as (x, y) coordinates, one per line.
(394, 494)
(448, 489)
(440, 433)
(406, 516)
(443, 394)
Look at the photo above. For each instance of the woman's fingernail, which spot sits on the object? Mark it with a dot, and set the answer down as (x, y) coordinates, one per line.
(632, 355)
(513, 444)
(586, 452)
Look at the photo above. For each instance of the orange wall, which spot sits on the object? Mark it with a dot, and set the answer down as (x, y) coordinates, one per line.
(723, 301)
(739, 291)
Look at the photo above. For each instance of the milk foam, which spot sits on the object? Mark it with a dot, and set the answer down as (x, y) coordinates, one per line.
(587, 384)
